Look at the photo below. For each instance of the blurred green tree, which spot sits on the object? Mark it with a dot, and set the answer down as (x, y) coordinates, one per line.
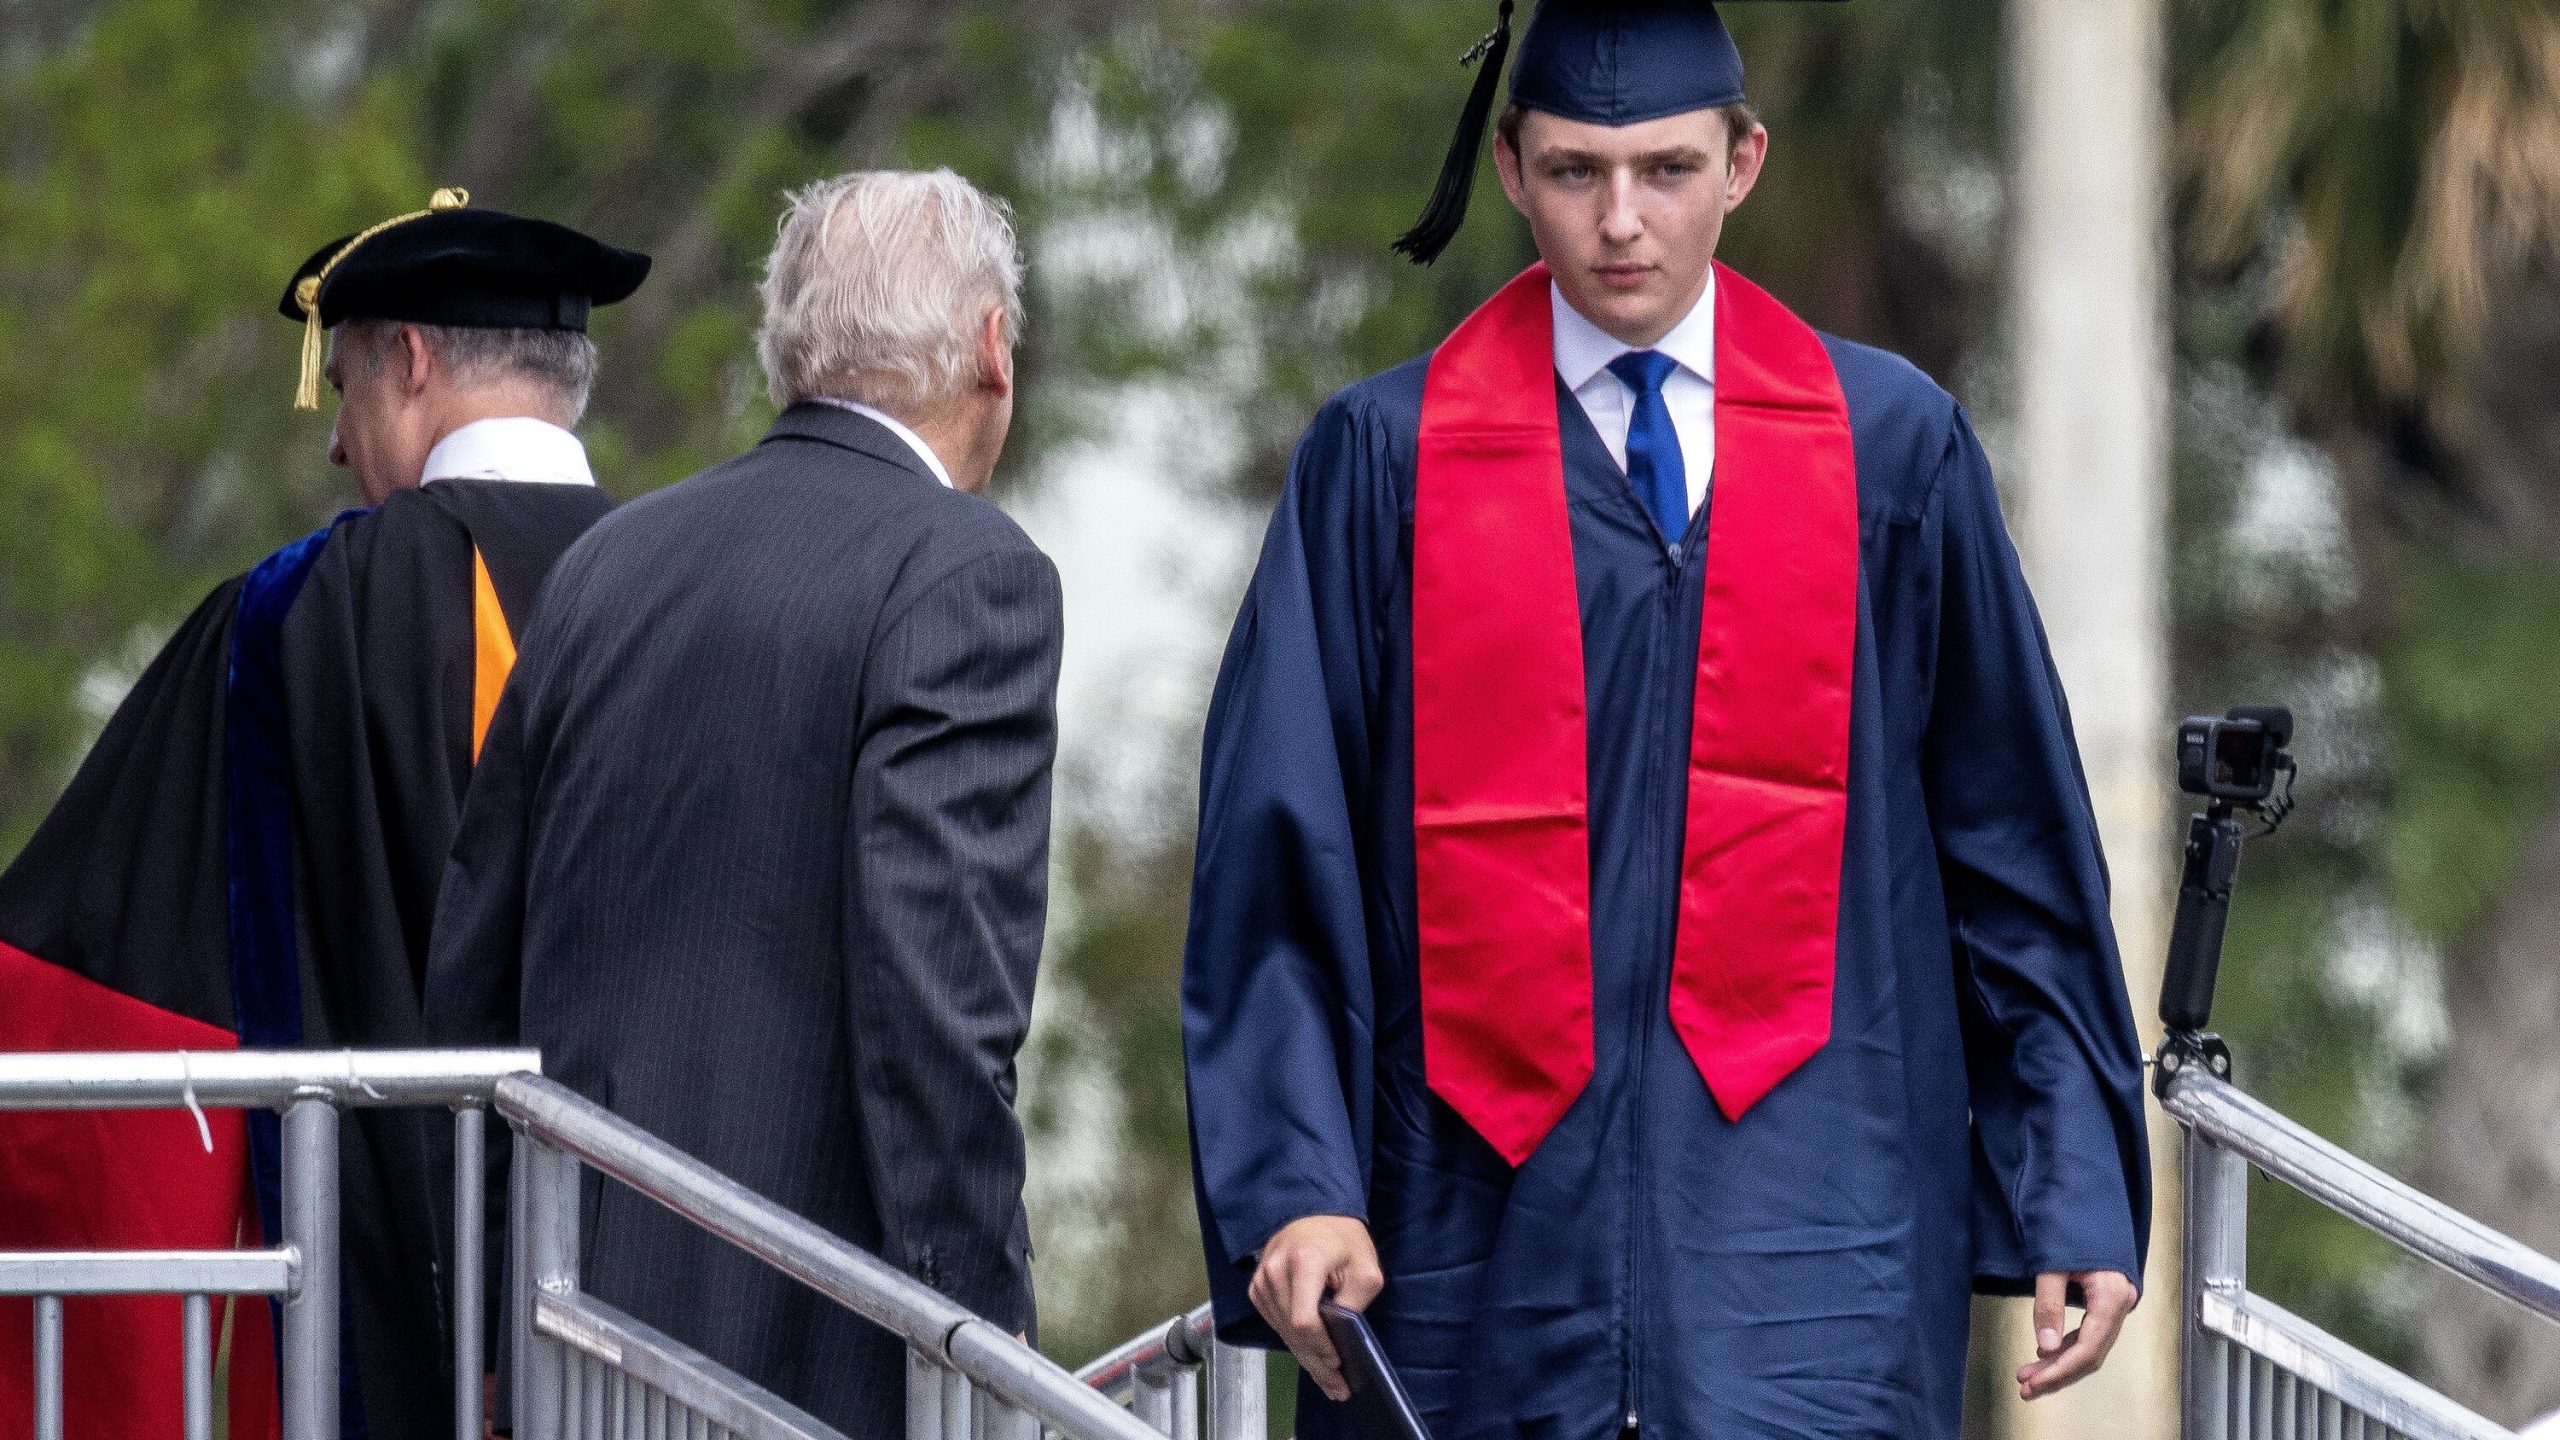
(168, 163)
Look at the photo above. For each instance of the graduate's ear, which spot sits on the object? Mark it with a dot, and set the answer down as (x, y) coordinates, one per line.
(995, 354)
(1506, 162)
(1742, 170)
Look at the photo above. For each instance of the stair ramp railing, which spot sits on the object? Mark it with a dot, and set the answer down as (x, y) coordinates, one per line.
(2251, 1370)
(2248, 1368)
(308, 1089)
(582, 1370)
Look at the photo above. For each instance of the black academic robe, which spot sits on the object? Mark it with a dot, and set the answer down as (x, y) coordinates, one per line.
(1975, 1118)
(249, 858)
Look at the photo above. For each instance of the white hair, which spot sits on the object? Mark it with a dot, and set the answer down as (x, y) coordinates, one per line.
(878, 287)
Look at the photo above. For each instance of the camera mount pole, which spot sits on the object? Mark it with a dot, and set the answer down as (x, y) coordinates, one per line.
(2195, 943)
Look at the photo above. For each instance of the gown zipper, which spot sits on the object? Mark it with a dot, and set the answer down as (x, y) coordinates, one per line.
(1657, 997)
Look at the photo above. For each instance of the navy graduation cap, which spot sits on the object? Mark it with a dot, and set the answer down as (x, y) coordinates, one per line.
(1606, 62)
(452, 265)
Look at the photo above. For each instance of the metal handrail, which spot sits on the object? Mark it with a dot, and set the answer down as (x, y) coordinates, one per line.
(150, 1272)
(255, 1079)
(922, 1317)
(1185, 1382)
(1180, 1344)
(2222, 1113)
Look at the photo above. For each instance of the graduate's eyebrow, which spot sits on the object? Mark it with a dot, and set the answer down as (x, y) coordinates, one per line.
(1669, 155)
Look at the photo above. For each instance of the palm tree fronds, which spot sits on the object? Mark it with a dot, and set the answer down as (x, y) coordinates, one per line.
(2491, 189)
(2397, 160)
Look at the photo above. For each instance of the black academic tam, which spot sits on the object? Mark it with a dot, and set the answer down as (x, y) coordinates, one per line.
(453, 265)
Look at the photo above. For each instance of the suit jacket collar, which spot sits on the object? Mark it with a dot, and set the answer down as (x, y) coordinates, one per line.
(846, 430)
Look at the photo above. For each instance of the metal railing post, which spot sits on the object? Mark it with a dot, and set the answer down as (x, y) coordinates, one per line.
(1151, 1398)
(551, 1226)
(470, 1148)
(999, 1421)
(1239, 1393)
(198, 1350)
(311, 1228)
(518, 1289)
(924, 1397)
(48, 1367)
(2217, 1260)
(956, 1398)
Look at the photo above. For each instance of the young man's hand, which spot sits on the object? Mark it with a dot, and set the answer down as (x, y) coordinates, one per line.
(2062, 1359)
(1306, 1261)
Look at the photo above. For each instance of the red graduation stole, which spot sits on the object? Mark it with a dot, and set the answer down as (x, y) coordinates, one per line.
(1501, 810)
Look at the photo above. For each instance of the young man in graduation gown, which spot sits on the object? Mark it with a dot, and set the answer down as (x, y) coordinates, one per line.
(250, 855)
(1649, 945)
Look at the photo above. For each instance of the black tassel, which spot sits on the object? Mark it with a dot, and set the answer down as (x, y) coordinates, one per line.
(1448, 208)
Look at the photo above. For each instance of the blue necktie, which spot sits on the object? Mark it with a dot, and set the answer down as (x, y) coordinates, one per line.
(1654, 466)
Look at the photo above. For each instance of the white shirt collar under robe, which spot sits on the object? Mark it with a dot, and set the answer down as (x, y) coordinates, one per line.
(514, 447)
(1583, 353)
(898, 428)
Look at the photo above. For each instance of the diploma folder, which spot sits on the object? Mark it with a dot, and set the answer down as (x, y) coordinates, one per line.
(1379, 1407)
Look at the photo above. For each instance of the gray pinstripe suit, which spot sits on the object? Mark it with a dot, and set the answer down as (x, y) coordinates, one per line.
(757, 855)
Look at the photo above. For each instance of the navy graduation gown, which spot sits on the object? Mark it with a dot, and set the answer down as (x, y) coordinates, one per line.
(1975, 1120)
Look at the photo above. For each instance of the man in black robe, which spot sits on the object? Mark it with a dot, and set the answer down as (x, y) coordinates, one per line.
(249, 856)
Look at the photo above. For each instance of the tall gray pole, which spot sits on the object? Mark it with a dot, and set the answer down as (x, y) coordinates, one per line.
(2091, 498)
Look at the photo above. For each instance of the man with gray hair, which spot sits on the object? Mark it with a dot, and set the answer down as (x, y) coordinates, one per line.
(758, 854)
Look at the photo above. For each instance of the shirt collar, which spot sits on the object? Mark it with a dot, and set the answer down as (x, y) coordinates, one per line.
(896, 427)
(512, 447)
(1583, 349)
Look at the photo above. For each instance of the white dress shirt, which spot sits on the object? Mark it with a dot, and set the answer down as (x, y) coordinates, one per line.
(516, 447)
(898, 428)
(1583, 353)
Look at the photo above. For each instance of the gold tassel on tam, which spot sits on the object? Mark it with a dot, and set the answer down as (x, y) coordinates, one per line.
(306, 396)
(307, 294)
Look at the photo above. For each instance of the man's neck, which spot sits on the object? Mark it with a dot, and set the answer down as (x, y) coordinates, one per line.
(957, 433)
(949, 438)
(506, 402)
